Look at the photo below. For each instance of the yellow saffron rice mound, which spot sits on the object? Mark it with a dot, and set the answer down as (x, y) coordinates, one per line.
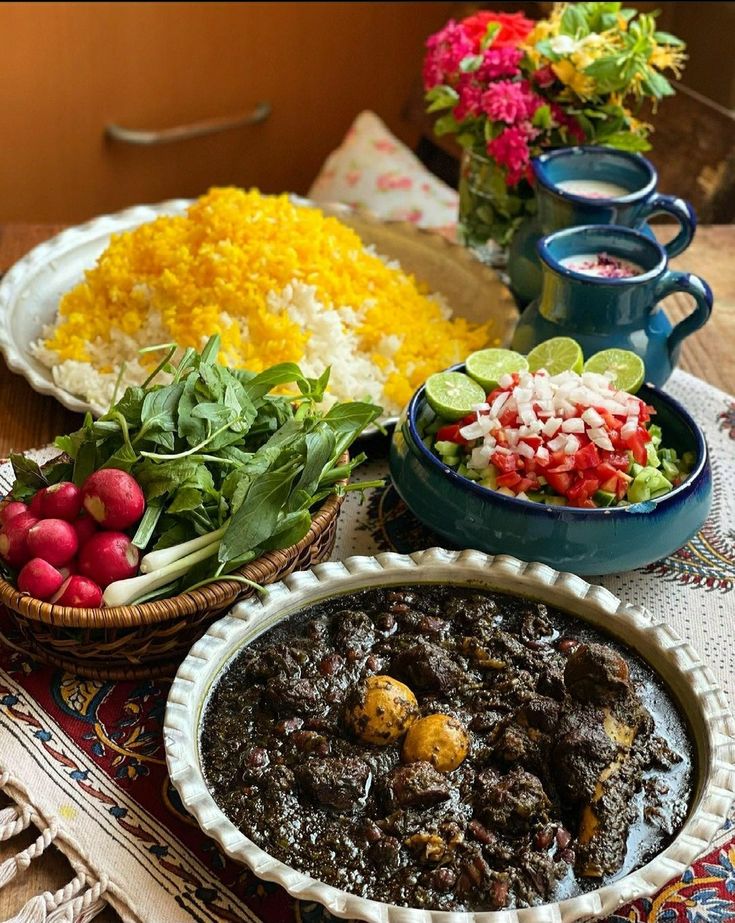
(278, 282)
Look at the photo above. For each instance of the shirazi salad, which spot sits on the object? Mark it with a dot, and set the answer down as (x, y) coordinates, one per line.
(533, 429)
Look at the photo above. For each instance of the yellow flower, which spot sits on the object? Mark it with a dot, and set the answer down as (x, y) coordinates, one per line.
(637, 126)
(667, 57)
(573, 78)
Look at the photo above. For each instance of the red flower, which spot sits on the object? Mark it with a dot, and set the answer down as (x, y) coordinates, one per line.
(514, 27)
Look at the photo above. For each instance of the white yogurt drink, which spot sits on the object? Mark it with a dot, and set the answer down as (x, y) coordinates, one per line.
(593, 188)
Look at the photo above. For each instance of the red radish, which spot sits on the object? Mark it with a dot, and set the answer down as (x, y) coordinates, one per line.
(54, 540)
(39, 578)
(107, 557)
(85, 527)
(78, 591)
(34, 506)
(61, 501)
(113, 498)
(12, 509)
(14, 539)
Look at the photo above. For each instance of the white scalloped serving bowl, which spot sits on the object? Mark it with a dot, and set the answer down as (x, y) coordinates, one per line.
(30, 291)
(686, 676)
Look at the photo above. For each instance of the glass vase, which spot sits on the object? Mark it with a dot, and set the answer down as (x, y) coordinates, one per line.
(490, 212)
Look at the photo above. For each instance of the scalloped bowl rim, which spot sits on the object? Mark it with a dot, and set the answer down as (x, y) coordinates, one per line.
(706, 706)
(542, 509)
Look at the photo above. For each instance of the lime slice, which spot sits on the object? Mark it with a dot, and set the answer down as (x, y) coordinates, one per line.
(559, 354)
(628, 367)
(452, 395)
(489, 365)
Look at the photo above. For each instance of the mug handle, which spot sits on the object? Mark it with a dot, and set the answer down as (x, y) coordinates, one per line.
(689, 284)
(684, 214)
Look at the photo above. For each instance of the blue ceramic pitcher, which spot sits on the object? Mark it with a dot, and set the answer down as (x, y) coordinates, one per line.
(599, 312)
(559, 208)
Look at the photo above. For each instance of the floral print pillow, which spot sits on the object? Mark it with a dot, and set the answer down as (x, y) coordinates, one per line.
(372, 169)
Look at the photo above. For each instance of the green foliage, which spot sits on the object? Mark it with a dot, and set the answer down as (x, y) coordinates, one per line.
(216, 446)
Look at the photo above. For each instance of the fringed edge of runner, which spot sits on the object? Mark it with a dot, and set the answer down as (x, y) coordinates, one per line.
(78, 901)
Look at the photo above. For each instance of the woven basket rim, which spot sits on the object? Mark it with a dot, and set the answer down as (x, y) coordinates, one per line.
(214, 595)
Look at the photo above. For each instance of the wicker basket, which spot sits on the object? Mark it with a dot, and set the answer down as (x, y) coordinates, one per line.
(149, 640)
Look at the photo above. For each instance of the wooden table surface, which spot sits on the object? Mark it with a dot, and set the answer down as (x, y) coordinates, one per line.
(28, 420)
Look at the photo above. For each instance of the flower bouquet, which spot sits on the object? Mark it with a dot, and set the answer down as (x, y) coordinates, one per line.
(508, 87)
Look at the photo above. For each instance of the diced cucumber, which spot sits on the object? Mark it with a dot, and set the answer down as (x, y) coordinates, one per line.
(647, 485)
(654, 432)
(552, 500)
(635, 469)
(490, 478)
(669, 470)
(470, 473)
(447, 449)
(603, 498)
(652, 460)
(687, 461)
(536, 496)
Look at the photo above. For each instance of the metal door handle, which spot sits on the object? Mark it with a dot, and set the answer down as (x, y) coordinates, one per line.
(184, 132)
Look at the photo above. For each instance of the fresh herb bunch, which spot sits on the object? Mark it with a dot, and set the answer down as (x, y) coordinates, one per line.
(216, 454)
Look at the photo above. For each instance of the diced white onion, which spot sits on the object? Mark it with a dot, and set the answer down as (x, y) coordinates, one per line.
(551, 427)
(572, 445)
(525, 450)
(557, 443)
(542, 454)
(506, 381)
(498, 404)
(573, 425)
(474, 430)
(592, 418)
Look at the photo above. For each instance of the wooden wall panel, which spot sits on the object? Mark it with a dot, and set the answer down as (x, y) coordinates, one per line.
(67, 69)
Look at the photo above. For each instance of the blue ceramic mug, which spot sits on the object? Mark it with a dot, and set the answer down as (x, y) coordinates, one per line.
(600, 312)
(591, 185)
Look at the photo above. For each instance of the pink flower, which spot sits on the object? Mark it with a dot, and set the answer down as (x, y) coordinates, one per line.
(508, 101)
(446, 49)
(510, 149)
(470, 98)
(499, 62)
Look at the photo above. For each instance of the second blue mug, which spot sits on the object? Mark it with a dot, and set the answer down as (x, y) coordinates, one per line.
(591, 185)
(602, 286)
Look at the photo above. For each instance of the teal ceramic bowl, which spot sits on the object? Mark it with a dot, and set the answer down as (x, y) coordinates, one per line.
(601, 541)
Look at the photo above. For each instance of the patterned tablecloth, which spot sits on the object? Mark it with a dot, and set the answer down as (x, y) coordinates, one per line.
(84, 760)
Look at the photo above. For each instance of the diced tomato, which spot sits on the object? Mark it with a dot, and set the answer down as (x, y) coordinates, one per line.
(533, 441)
(604, 472)
(510, 479)
(558, 481)
(588, 457)
(496, 393)
(637, 445)
(526, 484)
(451, 433)
(583, 489)
(508, 417)
(611, 421)
(504, 463)
(618, 460)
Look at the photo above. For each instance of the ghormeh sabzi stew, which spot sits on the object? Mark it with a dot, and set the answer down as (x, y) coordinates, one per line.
(446, 748)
